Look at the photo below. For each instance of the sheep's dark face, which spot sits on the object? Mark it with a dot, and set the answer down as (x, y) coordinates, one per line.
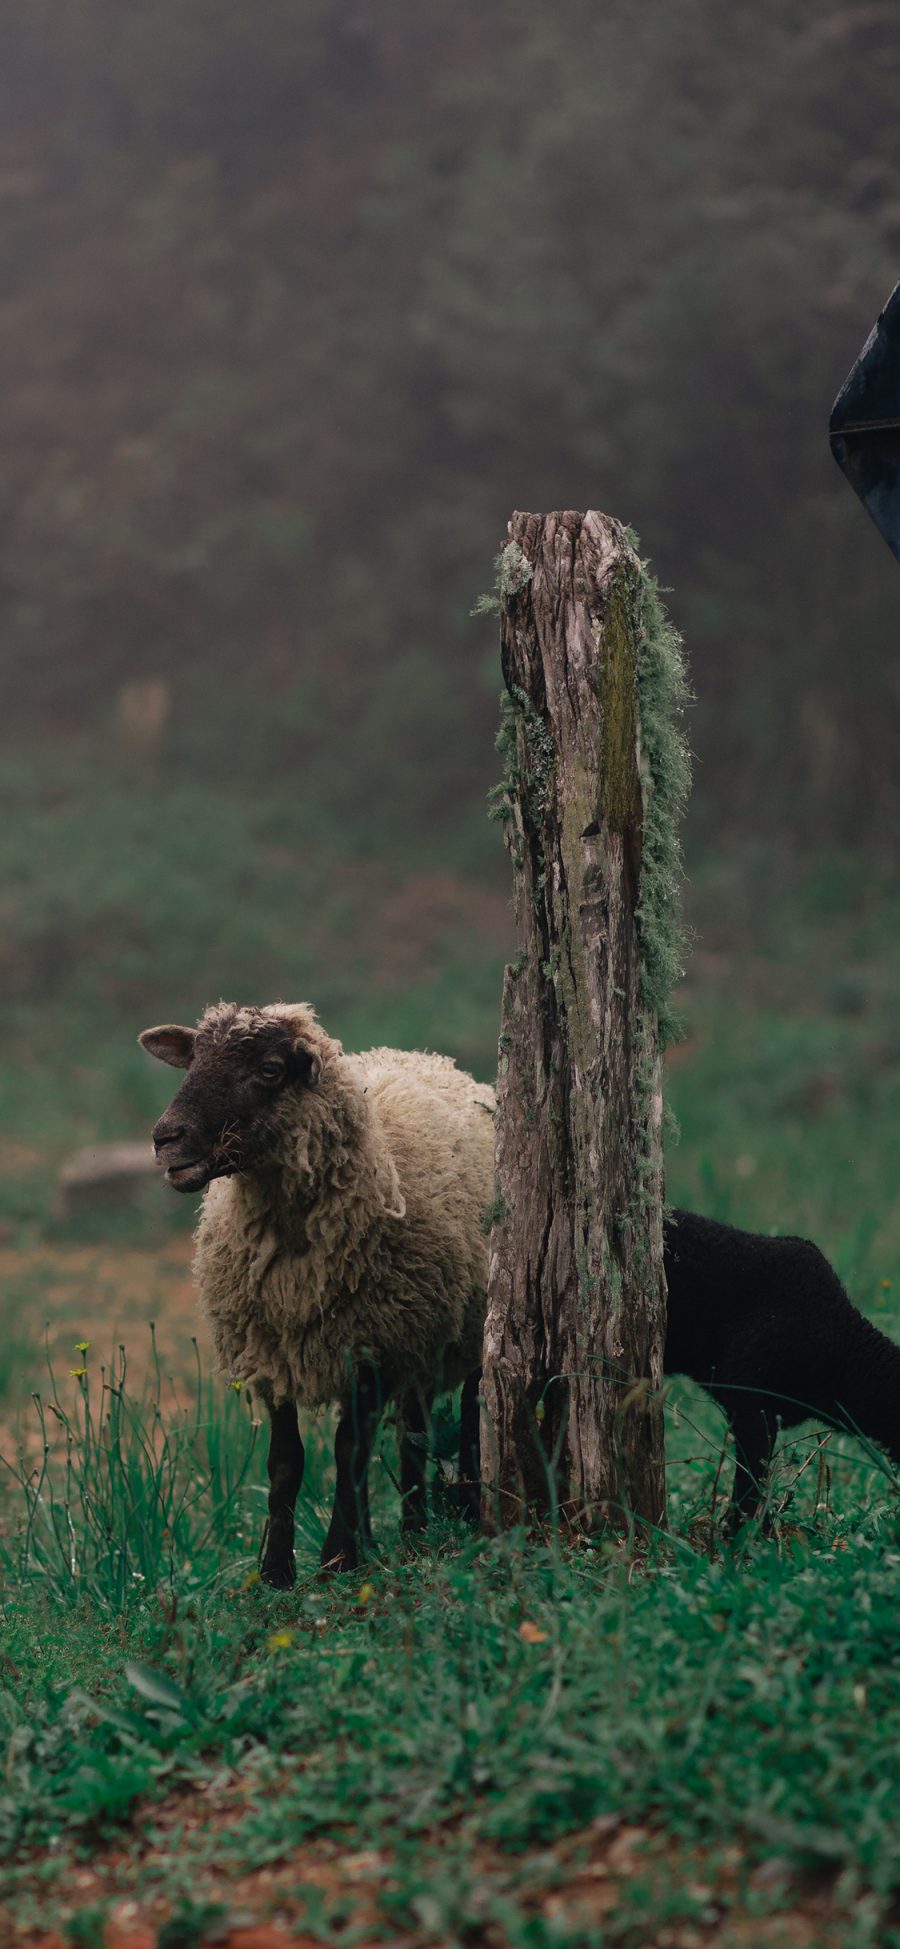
(225, 1117)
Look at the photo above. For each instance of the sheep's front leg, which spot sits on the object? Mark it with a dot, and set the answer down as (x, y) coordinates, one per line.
(360, 1413)
(415, 1417)
(470, 1448)
(754, 1440)
(285, 1478)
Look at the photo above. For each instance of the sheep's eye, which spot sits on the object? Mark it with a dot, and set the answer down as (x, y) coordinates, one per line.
(272, 1069)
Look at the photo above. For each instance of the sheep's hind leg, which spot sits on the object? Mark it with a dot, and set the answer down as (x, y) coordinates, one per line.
(415, 1421)
(360, 1414)
(285, 1478)
(470, 1448)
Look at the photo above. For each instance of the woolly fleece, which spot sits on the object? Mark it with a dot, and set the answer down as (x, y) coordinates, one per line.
(364, 1233)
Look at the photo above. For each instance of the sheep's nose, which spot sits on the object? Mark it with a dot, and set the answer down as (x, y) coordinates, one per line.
(167, 1133)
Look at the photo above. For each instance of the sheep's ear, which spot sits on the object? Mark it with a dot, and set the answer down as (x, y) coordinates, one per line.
(308, 1065)
(170, 1044)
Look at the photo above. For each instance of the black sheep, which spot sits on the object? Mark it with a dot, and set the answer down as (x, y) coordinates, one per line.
(765, 1325)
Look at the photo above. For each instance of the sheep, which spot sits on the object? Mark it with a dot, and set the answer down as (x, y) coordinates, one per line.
(765, 1326)
(341, 1253)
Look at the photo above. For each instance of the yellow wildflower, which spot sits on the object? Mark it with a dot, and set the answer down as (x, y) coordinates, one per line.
(81, 1346)
(77, 1373)
(237, 1385)
(280, 1640)
(366, 1593)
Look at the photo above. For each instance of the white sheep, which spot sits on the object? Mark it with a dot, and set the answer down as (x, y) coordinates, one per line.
(341, 1251)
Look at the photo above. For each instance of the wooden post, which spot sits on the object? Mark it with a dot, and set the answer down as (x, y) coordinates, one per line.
(572, 1416)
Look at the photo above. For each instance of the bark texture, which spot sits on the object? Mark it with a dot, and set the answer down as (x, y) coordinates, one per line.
(576, 1310)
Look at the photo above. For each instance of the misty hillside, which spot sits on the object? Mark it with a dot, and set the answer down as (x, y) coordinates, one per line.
(299, 303)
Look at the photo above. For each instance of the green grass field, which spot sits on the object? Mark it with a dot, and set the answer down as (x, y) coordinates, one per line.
(474, 1721)
(489, 1742)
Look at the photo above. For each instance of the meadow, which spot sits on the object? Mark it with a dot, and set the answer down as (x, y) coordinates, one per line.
(514, 1742)
(300, 302)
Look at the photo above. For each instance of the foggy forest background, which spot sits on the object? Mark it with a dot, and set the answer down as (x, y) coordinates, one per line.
(299, 303)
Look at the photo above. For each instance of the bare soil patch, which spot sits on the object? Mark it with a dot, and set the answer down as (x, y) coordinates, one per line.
(601, 1878)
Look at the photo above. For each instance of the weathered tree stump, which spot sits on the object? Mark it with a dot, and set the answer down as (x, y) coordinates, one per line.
(572, 1415)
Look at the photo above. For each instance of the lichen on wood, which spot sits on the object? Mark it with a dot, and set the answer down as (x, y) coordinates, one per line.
(663, 695)
(595, 775)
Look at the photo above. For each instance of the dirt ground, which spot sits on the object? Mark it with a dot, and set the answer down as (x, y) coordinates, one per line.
(586, 1883)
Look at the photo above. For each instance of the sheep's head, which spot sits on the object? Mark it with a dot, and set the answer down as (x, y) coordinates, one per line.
(242, 1065)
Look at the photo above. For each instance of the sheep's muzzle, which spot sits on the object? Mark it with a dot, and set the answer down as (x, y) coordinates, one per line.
(186, 1156)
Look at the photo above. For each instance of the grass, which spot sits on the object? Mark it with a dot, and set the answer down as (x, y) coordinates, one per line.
(785, 1087)
(466, 1713)
(483, 1724)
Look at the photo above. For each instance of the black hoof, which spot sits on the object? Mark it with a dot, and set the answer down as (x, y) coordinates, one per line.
(337, 1558)
(279, 1573)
